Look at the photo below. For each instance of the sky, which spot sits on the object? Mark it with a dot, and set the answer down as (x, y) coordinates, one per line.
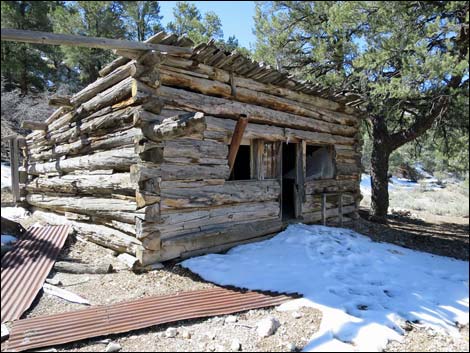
(236, 17)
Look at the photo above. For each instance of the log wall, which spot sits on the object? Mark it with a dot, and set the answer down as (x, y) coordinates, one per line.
(142, 155)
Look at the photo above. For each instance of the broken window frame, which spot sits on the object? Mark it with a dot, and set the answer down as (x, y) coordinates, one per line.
(332, 152)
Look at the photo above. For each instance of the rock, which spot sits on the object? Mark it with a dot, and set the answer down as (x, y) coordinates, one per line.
(236, 345)
(171, 332)
(297, 315)
(291, 347)
(186, 335)
(5, 332)
(267, 327)
(231, 319)
(105, 341)
(54, 282)
(113, 347)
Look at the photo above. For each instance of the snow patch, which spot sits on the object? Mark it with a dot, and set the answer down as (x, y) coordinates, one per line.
(14, 213)
(5, 176)
(366, 290)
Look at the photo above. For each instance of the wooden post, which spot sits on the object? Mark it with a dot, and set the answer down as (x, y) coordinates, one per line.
(280, 176)
(14, 165)
(340, 209)
(323, 209)
(257, 151)
(236, 140)
(299, 178)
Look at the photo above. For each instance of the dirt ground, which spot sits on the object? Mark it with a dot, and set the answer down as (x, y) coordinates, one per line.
(443, 236)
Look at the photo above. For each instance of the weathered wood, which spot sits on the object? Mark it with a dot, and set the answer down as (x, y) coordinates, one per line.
(101, 235)
(131, 69)
(61, 101)
(330, 185)
(300, 166)
(232, 109)
(172, 128)
(110, 208)
(257, 149)
(189, 80)
(236, 141)
(81, 268)
(64, 294)
(119, 159)
(230, 192)
(340, 209)
(84, 184)
(14, 166)
(113, 65)
(36, 37)
(166, 171)
(329, 213)
(323, 209)
(224, 76)
(216, 235)
(33, 125)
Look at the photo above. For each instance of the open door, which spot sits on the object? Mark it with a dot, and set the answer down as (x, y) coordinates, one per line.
(292, 180)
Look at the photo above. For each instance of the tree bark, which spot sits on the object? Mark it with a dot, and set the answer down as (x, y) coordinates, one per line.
(379, 170)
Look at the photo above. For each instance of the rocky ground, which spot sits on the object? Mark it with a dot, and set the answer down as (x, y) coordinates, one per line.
(238, 332)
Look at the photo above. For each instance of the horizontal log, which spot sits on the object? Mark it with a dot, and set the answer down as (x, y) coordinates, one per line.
(232, 109)
(239, 81)
(330, 185)
(175, 222)
(216, 195)
(113, 65)
(34, 125)
(145, 171)
(189, 80)
(37, 37)
(84, 184)
(178, 126)
(107, 208)
(314, 202)
(119, 160)
(80, 268)
(221, 234)
(101, 235)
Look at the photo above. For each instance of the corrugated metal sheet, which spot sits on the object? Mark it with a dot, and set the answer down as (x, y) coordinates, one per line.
(123, 317)
(25, 268)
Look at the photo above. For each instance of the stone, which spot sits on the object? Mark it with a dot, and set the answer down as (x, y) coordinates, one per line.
(267, 327)
(231, 319)
(113, 347)
(186, 335)
(291, 347)
(297, 315)
(54, 282)
(235, 346)
(104, 341)
(211, 336)
(171, 332)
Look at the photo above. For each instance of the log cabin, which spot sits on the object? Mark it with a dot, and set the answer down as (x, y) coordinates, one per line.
(179, 150)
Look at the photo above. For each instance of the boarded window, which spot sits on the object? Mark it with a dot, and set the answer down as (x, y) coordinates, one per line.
(270, 160)
(242, 166)
(320, 162)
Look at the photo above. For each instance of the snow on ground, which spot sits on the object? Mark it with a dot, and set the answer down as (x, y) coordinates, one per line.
(6, 176)
(366, 290)
(400, 184)
(14, 213)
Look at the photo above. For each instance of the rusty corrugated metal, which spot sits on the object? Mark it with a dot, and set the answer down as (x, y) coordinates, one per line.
(123, 317)
(25, 268)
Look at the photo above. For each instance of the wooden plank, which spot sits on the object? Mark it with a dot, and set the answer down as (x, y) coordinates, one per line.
(257, 148)
(299, 191)
(15, 164)
(340, 208)
(323, 209)
(36, 37)
(236, 140)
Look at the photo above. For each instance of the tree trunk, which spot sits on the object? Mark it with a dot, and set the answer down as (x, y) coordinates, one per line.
(379, 171)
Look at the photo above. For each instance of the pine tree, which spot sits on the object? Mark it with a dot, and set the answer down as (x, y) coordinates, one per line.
(142, 19)
(408, 60)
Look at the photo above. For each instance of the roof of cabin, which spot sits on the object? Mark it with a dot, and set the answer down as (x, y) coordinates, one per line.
(211, 54)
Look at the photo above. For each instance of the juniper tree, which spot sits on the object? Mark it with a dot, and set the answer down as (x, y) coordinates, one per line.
(408, 60)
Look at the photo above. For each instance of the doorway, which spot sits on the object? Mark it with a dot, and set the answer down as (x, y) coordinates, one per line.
(289, 177)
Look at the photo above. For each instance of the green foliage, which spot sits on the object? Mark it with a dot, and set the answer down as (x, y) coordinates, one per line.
(142, 19)
(404, 58)
(90, 18)
(26, 65)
